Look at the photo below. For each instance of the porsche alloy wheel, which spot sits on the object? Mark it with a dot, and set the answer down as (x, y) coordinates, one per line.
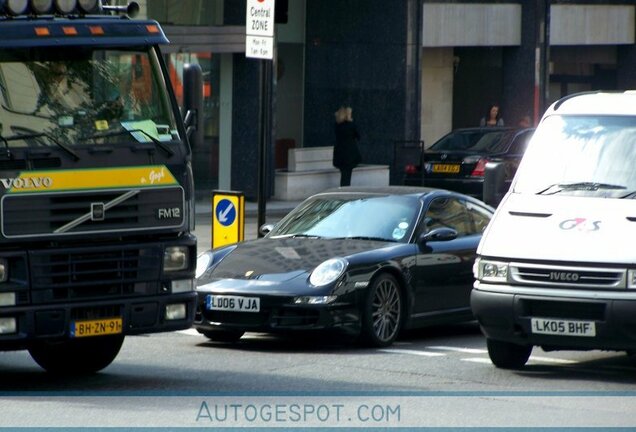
(383, 311)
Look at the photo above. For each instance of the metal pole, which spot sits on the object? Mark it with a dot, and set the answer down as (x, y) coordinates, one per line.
(542, 58)
(264, 138)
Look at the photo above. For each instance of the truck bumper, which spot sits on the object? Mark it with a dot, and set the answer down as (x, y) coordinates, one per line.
(507, 316)
(139, 315)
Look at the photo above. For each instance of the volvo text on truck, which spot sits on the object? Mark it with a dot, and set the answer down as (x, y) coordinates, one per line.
(96, 189)
(556, 267)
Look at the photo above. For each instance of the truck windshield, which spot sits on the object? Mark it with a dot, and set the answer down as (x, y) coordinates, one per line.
(83, 96)
(589, 156)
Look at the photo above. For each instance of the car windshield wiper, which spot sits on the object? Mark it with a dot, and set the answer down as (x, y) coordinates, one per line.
(586, 186)
(131, 132)
(364, 238)
(297, 235)
(64, 147)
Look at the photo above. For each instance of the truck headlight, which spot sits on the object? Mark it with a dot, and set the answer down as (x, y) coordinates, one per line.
(89, 6)
(490, 271)
(4, 270)
(631, 279)
(65, 6)
(16, 7)
(181, 286)
(7, 299)
(176, 258)
(42, 6)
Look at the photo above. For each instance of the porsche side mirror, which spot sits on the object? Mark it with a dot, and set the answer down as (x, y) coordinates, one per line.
(265, 229)
(438, 234)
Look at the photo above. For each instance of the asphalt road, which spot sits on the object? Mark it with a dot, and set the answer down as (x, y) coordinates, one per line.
(445, 369)
(434, 377)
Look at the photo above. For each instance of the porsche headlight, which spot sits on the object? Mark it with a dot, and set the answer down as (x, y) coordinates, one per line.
(203, 262)
(328, 272)
(490, 271)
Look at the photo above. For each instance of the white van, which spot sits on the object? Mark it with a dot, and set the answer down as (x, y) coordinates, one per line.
(556, 266)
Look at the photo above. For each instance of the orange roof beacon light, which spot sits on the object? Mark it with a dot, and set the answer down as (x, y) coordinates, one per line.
(42, 31)
(96, 30)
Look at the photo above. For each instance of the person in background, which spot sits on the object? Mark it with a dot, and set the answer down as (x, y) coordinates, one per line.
(492, 117)
(346, 155)
(525, 122)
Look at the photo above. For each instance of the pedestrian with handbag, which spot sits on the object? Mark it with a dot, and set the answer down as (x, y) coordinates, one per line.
(346, 155)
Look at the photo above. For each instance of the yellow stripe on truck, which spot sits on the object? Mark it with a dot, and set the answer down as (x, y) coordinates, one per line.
(81, 179)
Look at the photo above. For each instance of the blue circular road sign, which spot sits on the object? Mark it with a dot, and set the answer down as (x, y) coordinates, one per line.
(225, 212)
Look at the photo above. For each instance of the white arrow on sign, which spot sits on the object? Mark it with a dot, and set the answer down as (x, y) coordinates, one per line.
(223, 213)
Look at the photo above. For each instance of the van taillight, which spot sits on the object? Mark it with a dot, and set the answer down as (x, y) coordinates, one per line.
(410, 169)
(480, 168)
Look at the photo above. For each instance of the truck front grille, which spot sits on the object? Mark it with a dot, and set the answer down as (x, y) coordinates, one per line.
(72, 213)
(568, 276)
(91, 273)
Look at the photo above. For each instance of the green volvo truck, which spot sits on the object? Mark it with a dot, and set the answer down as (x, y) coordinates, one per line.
(96, 188)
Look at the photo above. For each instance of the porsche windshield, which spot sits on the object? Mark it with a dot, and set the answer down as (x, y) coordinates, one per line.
(386, 218)
(83, 96)
(589, 156)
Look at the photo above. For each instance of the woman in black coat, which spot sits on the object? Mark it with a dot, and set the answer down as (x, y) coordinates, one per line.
(346, 155)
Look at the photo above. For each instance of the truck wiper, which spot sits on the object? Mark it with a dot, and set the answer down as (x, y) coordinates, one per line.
(586, 186)
(64, 147)
(131, 132)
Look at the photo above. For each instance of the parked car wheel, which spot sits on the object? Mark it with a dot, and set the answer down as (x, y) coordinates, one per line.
(229, 336)
(382, 317)
(506, 355)
(76, 356)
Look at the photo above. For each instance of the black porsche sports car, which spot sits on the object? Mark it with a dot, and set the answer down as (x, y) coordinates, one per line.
(367, 261)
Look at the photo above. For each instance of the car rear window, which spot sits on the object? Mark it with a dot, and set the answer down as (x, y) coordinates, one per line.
(477, 141)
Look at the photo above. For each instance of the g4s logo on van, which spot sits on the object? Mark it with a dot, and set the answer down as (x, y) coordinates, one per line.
(580, 224)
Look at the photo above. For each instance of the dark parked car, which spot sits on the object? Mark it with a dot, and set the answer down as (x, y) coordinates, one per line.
(367, 261)
(458, 160)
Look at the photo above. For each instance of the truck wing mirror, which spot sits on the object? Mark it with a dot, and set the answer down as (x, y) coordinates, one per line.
(494, 183)
(193, 103)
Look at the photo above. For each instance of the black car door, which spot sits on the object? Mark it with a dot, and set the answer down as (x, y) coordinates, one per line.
(443, 271)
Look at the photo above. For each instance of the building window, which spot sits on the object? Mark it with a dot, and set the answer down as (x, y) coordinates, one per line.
(186, 12)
